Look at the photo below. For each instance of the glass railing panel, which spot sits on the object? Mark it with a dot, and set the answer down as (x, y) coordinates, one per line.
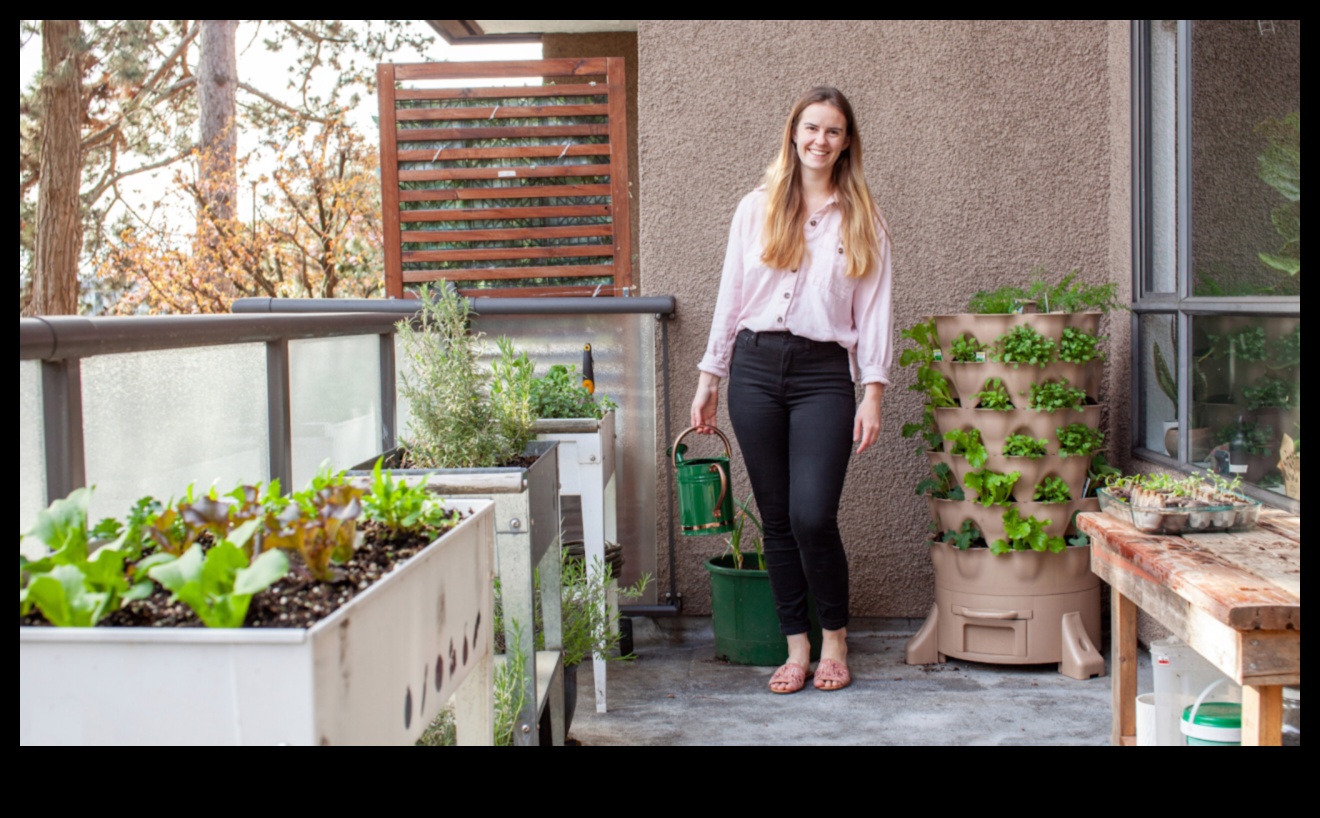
(156, 421)
(31, 445)
(334, 401)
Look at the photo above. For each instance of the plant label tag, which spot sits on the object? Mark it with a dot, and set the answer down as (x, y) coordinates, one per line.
(506, 174)
(937, 355)
(1234, 469)
(980, 357)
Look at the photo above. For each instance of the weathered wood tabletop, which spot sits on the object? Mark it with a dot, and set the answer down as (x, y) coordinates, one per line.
(1233, 597)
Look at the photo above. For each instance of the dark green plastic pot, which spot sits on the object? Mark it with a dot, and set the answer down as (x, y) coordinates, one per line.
(743, 615)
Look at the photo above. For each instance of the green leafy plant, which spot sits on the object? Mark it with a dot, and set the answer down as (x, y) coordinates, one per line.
(967, 350)
(1071, 295)
(926, 431)
(941, 484)
(1281, 168)
(1247, 344)
(964, 537)
(1023, 345)
(1287, 349)
(1001, 301)
(922, 354)
(511, 395)
(967, 444)
(1050, 395)
(590, 626)
(404, 508)
(1052, 490)
(455, 423)
(1268, 392)
(994, 395)
(1026, 535)
(219, 585)
(559, 393)
(1078, 347)
(1079, 439)
(1250, 437)
(992, 488)
(76, 580)
(510, 686)
(1025, 446)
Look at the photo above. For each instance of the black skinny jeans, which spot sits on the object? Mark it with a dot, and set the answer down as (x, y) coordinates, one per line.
(792, 404)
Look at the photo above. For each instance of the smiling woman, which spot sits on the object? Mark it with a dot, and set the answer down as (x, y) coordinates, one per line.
(804, 313)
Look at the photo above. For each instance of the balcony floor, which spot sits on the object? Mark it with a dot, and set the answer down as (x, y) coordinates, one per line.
(677, 693)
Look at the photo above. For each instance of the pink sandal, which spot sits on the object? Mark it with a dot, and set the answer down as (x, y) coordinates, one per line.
(831, 671)
(793, 675)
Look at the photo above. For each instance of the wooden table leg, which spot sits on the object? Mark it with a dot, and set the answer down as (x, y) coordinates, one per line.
(1262, 715)
(1123, 665)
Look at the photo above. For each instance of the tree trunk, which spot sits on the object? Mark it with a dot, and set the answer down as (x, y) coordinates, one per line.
(59, 221)
(217, 86)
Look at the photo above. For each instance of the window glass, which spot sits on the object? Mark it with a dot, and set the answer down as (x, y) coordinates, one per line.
(1246, 393)
(1246, 104)
(1158, 410)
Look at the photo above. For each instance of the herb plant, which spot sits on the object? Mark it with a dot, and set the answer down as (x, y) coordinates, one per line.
(1052, 490)
(1071, 295)
(455, 424)
(1287, 350)
(1250, 437)
(1025, 446)
(1024, 535)
(994, 395)
(1246, 344)
(559, 393)
(922, 354)
(941, 484)
(991, 487)
(1268, 392)
(967, 444)
(966, 349)
(1078, 347)
(997, 302)
(1079, 439)
(926, 430)
(964, 537)
(404, 508)
(1023, 345)
(1048, 396)
(511, 401)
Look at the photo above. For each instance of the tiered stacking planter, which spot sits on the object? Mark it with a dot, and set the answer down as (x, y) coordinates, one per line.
(1022, 606)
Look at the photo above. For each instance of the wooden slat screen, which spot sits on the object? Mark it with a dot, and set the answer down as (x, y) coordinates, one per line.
(506, 190)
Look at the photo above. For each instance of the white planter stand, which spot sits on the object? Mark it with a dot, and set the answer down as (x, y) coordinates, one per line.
(586, 469)
(376, 671)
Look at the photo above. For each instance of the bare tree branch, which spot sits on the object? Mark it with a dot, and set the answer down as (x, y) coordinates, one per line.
(281, 105)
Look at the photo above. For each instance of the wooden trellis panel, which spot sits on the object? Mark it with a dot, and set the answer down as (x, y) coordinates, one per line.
(506, 190)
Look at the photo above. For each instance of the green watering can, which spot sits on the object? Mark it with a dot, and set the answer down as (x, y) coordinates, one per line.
(705, 504)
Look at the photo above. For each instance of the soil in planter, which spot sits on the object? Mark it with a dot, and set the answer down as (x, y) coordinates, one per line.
(296, 601)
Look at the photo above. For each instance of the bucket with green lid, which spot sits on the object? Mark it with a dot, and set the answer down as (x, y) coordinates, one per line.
(1212, 724)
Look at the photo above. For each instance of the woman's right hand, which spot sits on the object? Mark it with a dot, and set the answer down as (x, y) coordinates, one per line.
(706, 403)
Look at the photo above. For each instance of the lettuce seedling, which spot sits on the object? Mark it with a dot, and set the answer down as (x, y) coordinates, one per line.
(968, 444)
(403, 507)
(1079, 439)
(219, 585)
(991, 487)
(1052, 490)
(1028, 534)
(1025, 446)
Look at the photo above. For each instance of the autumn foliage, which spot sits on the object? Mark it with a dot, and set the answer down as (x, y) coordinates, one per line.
(315, 232)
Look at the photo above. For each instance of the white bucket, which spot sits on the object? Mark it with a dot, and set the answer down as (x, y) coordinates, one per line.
(1180, 674)
(1146, 720)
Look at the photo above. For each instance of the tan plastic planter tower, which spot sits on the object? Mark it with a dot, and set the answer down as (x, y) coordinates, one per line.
(1024, 607)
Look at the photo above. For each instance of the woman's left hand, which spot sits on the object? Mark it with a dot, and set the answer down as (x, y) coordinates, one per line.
(866, 425)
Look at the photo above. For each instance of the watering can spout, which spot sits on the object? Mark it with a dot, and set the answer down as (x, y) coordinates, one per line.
(676, 452)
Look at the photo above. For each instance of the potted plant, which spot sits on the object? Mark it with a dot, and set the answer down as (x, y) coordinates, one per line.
(1018, 429)
(320, 629)
(742, 605)
(1159, 504)
(470, 436)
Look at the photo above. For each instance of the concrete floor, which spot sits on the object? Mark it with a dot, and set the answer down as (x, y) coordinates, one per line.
(677, 693)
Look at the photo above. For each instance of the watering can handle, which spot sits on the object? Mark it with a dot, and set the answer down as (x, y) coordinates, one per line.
(724, 491)
(673, 452)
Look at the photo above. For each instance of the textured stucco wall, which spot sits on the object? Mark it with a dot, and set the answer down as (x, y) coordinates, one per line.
(609, 44)
(991, 147)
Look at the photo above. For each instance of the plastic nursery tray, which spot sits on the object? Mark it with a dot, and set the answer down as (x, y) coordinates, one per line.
(1189, 520)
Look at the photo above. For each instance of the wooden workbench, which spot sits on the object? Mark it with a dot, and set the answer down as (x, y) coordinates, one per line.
(1234, 598)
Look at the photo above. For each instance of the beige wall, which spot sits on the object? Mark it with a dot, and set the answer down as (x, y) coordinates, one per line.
(992, 148)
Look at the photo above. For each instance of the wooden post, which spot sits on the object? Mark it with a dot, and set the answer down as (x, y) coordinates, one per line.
(389, 181)
(1124, 667)
(1262, 715)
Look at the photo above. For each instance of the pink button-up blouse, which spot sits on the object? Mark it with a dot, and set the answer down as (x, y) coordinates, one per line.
(817, 301)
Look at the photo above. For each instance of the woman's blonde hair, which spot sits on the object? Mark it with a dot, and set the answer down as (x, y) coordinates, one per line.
(784, 241)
